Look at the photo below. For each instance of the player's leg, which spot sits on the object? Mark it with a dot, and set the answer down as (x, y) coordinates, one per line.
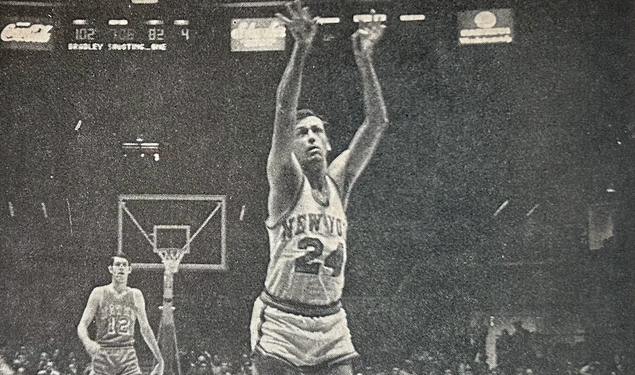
(268, 365)
(340, 369)
(339, 344)
(102, 363)
(128, 362)
(263, 364)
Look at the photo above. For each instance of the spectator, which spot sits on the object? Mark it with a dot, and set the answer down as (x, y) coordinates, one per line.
(216, 365)
(49, 369)
(201, 367)
(20, 361)
(44, 358)
(190, 358)
(72, 369)
(619, 365)
(22, 351)
(224, 368)
(589, 369)
(244, 369)
(189, 366)
(56, 356)
(183, 355)
(407, 368)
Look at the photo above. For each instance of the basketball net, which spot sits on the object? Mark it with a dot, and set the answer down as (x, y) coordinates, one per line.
(166, 337)
(171, 258)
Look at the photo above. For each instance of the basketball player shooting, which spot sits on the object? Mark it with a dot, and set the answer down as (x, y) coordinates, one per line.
(298, 324)
(115, 308)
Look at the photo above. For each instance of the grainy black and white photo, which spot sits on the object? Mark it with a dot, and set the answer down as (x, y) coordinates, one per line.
(317, 187)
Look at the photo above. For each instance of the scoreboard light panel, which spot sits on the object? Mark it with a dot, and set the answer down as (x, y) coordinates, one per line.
(119, 34)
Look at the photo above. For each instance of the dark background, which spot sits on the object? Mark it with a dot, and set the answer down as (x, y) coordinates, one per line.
(546, 120)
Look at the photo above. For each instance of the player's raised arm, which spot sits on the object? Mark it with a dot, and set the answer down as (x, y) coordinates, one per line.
(347, 167)
(146, 331)
(283, 171)
(91, 346)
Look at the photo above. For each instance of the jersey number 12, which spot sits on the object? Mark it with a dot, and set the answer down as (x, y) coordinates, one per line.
(118, 325)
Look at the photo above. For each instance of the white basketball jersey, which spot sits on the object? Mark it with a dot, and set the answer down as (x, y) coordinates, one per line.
(308, 250)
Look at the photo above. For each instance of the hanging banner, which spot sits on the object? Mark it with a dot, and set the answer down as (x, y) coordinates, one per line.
(257, 34)
(485, 26)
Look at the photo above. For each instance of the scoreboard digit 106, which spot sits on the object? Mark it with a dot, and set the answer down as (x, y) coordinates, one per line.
(121, 34)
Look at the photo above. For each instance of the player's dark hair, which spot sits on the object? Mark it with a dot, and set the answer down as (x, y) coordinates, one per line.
(304, 113)
(118, 255)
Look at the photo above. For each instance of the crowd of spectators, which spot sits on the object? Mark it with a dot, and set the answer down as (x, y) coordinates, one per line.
(204, 363)
(54, 359)
(435, 363)
(50, 358)
(516, 354)
(523, 353)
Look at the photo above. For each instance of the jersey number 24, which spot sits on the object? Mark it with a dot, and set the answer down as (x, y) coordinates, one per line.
(308, 263)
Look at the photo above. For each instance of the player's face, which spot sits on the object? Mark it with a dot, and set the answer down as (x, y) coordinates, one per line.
(310, 142)
(120, 269)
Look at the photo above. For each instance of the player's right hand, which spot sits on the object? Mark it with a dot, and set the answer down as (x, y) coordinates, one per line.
(300, 25)
(92, 348)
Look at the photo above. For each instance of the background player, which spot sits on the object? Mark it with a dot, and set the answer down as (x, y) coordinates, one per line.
(115, 308)
(298, 324)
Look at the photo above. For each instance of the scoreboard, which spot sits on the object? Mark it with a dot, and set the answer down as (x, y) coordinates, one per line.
(117, 28)
(93, 30)
(127, 35)
(140, 33)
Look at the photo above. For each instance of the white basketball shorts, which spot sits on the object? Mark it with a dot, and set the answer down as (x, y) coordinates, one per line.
(301, 341)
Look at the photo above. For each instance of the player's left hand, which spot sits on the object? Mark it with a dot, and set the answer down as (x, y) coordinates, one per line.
(158, 369)
(367, 36)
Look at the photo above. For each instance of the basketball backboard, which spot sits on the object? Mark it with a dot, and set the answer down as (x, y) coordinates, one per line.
(148, 223)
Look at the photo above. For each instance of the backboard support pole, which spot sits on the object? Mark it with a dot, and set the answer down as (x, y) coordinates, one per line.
(167, 328)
